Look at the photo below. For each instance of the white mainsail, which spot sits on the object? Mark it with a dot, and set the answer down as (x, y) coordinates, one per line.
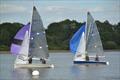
(38, 43)
(93, 41)
(22, 57)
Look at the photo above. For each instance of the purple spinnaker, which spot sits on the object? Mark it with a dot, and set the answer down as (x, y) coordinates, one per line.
(15, 48)
(21, 33)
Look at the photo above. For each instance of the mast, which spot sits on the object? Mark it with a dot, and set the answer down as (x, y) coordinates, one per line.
(38, 43)
(87, 30)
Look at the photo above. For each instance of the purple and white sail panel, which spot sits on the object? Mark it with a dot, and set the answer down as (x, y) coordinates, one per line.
(15, 49)
(16, 45)
(21, 33)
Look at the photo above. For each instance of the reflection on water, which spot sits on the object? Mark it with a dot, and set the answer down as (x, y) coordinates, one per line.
(23, 73)
(19, 74)
(88, 72)
(64, 69)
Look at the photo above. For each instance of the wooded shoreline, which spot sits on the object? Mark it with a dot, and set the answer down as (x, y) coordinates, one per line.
(59, 34)
(59, 51)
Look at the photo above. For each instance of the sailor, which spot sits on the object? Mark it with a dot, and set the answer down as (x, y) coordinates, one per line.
(97, 58)
(30, 59)
(43, 61)
(86, 57)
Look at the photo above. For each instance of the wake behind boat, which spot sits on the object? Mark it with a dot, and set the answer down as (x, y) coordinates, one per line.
(30, 44)
(86, 42)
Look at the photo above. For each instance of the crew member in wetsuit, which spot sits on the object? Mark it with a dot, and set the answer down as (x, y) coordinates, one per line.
(86, 57)
(30, 60)
(43, 61)
(97, 58)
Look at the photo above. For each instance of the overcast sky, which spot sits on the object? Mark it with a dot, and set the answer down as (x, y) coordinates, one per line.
(57, 10)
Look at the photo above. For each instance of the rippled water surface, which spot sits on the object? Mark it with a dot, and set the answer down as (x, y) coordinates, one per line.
(64, 68)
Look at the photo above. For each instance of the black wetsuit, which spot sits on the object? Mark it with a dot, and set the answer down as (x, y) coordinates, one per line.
(87, 58)
(97, 59)
(30, 60)
(43, 61)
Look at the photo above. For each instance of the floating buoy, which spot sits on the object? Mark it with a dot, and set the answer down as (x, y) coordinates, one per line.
(52, 66)
(35, 73)
(107, 63)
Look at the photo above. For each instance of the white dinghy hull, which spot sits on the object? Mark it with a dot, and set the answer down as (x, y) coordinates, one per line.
(91, 62)
(33, 65)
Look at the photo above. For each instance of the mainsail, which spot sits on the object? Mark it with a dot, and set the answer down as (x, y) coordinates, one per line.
(38, 43)
(16, 45)
(93, 41)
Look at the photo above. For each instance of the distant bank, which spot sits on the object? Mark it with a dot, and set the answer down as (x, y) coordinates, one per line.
(59, 51)
(59, 34)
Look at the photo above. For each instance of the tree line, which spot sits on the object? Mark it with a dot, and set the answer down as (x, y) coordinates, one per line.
(59, 34)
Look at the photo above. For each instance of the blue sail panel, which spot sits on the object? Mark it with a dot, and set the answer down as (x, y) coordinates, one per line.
(74, 42)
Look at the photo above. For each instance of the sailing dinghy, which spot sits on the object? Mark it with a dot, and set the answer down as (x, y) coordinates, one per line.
(86, 44)
(30, 43)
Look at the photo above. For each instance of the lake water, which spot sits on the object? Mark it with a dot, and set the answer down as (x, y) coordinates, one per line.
(64, 69)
